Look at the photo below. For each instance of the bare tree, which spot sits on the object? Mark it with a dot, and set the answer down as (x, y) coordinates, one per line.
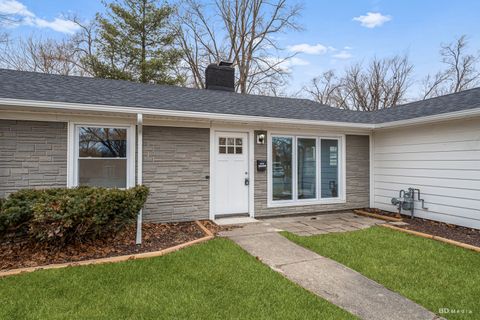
(4, 20)
(383, 83)
(39, 55)
(241, 31)
(461, 72)
(325, 89)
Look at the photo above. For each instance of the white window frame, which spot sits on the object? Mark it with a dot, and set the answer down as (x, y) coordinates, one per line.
(73, 150)
(318, 200)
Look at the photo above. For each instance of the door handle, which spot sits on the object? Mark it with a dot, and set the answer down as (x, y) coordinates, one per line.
(247, 181)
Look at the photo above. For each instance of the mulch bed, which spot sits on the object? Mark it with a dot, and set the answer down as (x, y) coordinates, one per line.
(385, 213)
(435, 228)
(155, 237)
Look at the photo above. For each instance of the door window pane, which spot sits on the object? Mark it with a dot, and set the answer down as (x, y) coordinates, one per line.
(306, 168)
(109, 173)
(102, 142)
(282, 168)
(329, 168)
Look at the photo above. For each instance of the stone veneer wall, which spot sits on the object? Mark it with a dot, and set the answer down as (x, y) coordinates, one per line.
(33, 154)
(175, 166)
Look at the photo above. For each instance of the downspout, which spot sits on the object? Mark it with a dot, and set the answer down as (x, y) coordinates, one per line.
(139, 172)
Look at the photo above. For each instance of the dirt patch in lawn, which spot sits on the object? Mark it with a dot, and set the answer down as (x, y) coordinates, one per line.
(155, 237)
(435, 228)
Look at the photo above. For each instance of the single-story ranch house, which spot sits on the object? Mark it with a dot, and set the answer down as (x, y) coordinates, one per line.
(210, 153)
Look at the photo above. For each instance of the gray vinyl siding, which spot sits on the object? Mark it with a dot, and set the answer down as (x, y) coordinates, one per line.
(357, 186)
(33, 154)
(442, 160)
(175, 166)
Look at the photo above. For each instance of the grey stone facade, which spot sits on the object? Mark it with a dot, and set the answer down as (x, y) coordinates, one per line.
(357, 176)
(175, 166)
(33, 154)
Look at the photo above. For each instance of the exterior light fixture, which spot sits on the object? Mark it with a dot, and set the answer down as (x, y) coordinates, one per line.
(261, 138)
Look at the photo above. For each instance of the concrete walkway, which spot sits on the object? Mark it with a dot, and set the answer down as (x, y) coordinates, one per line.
(328, 279)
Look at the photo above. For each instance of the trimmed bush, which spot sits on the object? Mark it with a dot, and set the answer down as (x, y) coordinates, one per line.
(62, 215)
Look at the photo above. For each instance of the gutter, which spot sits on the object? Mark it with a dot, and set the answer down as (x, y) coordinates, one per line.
(174, 113)
(237, 118)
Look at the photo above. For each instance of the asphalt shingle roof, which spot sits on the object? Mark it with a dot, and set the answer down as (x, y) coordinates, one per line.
(55, 88)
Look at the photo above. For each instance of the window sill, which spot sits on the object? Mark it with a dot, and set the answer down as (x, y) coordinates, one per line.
(279, 204)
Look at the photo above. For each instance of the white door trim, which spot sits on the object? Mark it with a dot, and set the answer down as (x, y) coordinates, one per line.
(251, 167)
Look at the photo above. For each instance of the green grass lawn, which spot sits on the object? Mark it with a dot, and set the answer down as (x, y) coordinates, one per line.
(214, 280)
(431, 273)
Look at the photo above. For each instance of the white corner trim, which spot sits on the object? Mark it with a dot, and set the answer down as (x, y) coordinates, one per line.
(251, 173)
(70, 154)
(371, 163)
(211, 180)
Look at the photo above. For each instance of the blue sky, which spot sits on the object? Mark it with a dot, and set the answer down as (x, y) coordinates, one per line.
(336, 33)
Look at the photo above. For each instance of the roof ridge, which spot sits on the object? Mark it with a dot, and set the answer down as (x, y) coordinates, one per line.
(432, 98)
(156, 84)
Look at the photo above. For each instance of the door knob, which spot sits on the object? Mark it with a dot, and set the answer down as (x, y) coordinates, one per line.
(247, 181)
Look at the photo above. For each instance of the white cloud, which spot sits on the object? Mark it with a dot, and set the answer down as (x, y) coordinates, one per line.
(294, 61)
(343, 55)
(13, 7)
(58, 24)
(18, 11)
(372, 19)
(285, 65)
(309, 49)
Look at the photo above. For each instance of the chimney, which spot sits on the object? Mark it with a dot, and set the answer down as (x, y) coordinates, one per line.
(220, 76)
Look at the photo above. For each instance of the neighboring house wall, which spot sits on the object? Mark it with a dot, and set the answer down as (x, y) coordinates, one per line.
(33, 154)
(357, 177)
(442, 160)
(175, 166)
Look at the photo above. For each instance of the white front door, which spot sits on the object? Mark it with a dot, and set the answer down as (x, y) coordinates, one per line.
(231, 173)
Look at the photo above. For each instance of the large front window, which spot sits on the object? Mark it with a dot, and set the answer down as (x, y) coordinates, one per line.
(101, 156)
(305, 169)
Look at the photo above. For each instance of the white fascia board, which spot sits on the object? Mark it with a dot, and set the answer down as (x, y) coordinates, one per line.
(174, 113)
(236, 118)
(429, 119)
